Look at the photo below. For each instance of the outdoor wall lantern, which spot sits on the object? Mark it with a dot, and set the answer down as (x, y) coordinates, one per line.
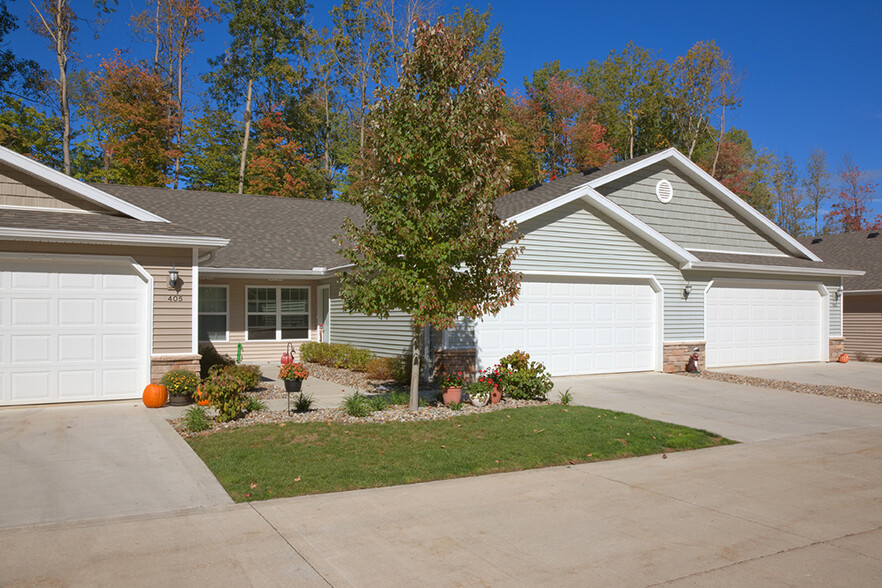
(172, 276)
(837, 293)
(687, 291)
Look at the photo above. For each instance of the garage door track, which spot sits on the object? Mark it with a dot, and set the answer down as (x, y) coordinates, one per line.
(88, 461)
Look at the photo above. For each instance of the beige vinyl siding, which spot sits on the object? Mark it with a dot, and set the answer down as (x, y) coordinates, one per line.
(863, 325)
(693, 219)
(257, 351)
(20, 189)
(172, 319)
(574, 239)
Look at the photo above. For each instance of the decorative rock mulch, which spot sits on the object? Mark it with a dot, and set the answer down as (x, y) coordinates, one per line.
(820, 390)
(357, 380)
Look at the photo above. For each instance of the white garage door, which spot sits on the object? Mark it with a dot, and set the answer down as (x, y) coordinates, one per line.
(751, 326)
(71, 330)
(575, 328)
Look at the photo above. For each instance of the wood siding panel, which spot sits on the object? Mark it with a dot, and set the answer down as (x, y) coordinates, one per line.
(385, 337)
(172, 320)
(574, 239)
(258, 351)
(20, 189)
(693, 219)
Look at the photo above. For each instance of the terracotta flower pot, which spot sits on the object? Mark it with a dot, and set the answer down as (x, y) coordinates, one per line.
(495, 395)
(452, 394)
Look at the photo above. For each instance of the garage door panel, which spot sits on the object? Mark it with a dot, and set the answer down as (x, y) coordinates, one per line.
(589, 328)
(76, 330)
(756, 325)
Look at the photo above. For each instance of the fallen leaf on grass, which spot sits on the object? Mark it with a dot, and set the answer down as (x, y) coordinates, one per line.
(443, 447)
(253, 485)
(297, 479)
(664, 456)
(248, 496)
(572, 462)
(590, 455)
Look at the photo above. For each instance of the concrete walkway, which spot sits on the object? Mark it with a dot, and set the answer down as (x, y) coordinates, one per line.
(863, 375)
(798, 505)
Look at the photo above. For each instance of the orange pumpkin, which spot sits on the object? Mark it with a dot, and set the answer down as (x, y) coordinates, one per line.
(843, 358)
(201, 398)
(155, 396)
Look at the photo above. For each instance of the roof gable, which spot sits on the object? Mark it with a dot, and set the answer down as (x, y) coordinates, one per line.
(28, 184)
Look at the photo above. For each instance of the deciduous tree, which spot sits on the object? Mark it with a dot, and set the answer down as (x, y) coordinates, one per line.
(277, 166)
(849, 212)
(816, 184)
(431, 243)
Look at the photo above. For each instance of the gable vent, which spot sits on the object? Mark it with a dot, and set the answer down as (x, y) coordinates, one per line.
(873, 235)
(664, 191)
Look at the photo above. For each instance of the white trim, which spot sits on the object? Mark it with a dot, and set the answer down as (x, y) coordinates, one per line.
(194, 305)
(278, 289)
(628, 169)
(326, 327)
(769, 269)
(862, 292)
(113, 238)
(694, 250)
(76, 187)
(46, 209)
(658, 290)
(226, 314)
(257, 273)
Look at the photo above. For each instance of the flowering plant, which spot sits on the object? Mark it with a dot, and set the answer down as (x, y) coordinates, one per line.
(452, 380)
(293, 371)
(180, 382)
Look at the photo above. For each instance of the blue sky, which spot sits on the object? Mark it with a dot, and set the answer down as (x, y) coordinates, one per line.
(813, 69)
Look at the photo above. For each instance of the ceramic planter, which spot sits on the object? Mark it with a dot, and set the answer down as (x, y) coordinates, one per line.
(495, 395)
(478, 399)
(451, 394)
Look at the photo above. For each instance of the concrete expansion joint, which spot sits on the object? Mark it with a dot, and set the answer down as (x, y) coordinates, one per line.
(294, 549)
(812, 543)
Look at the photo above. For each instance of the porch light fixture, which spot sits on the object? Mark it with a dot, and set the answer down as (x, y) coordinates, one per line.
(172, 276)
(837, 293)
(687, 291)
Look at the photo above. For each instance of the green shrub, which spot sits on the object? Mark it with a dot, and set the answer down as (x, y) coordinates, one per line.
(336, 355)
(180, 382)
(356, 405)
(249, 374)
(377, 403)
(523, 379)
(253, 404)
(455, 406)
(566, 397)
(196, 419)
(381, 368)
(210, 358)
(223, 388)
(401, 369)
(303, 402)
(398, 398)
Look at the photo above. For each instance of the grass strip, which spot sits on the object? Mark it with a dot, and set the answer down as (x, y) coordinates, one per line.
(292, 459)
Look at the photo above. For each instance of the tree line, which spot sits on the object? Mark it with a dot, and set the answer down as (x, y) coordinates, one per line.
(286, 108)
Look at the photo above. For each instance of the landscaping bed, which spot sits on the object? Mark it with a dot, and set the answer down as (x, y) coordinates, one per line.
(294, 457)
(818, 389)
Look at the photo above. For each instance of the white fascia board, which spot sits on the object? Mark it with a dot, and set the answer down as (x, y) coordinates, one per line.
(69, 184)
(769, 269)
(259, 272)
(862, 292)
(16, 234)
(729, 252)
(589, 195)
(685, 164)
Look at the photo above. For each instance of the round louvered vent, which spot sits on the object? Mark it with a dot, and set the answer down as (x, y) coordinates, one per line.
(664, 191)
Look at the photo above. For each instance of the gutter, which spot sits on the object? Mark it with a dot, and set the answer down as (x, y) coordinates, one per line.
(52, 235)
(769, 269)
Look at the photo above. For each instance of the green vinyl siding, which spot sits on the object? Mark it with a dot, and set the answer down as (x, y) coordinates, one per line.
(692, 219)
(385, 337)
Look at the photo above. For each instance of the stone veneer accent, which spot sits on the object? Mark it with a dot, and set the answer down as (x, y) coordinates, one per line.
(455, 360)
(675, 356)
(162, 364)
(837, 347)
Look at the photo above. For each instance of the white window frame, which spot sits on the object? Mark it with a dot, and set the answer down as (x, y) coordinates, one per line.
(225, 313)
(278, 290)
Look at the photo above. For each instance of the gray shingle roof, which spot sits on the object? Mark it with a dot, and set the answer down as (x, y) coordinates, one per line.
(773, 260)
(852, 251)
(265, 232)
(512, 204)
(91, 223)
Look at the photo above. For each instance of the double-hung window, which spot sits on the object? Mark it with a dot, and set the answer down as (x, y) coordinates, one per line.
(277, 313)
(213, 313)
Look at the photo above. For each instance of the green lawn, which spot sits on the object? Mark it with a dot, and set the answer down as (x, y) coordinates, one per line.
(271, 461)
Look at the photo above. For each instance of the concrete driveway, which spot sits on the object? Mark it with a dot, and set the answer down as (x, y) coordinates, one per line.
(87, 461)
(863, 375)
(796, 505)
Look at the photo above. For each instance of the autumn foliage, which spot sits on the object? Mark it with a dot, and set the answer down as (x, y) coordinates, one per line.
(849, 213)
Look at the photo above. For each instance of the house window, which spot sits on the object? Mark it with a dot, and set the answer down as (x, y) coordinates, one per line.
(213, 313)
(278, 313)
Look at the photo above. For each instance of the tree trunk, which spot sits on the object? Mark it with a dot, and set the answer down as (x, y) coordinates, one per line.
(180, 122)
(720, 142)
(156, 50)
(631, 136)
(61, 55)
(415, 368)
(247, 135)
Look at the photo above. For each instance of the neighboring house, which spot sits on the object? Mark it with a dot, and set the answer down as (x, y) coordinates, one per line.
(862, 309)
(625, 268)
